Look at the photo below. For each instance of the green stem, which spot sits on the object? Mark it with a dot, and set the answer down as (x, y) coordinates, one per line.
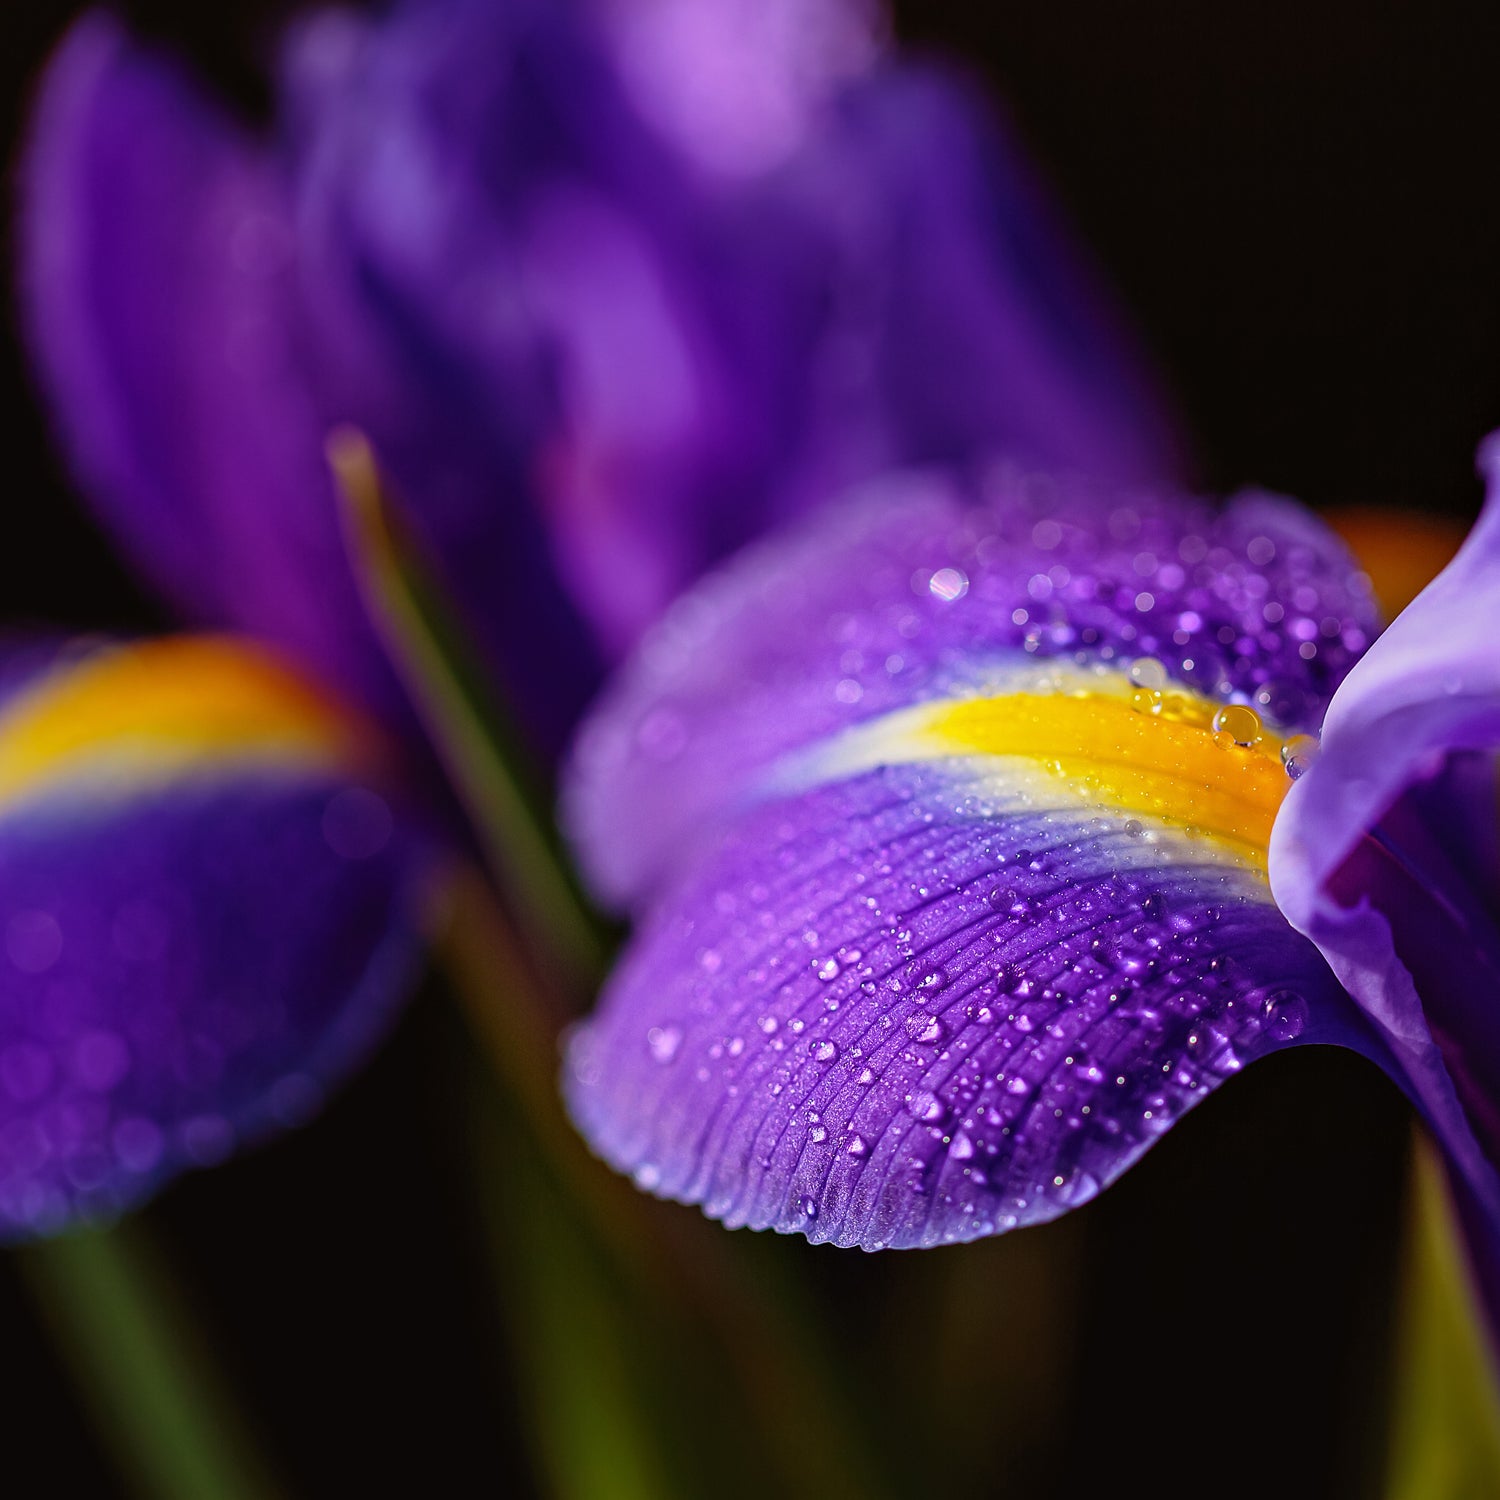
(762, 1329)
(467, 730)
(141, 1368)
(1445, 1442)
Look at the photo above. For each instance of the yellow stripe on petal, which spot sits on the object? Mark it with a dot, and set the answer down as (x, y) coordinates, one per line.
(1225, 782)
(1098, 740)
(143, 712)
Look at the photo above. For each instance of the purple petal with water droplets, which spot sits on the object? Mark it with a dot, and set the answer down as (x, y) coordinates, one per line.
(917, 589)
(185, 971)
(1387, 854)
(884, 1015)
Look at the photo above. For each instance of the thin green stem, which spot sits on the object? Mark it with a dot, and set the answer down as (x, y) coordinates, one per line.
(467, 730)
(142, 1368)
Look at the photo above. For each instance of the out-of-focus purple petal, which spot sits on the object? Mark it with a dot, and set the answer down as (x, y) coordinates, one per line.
(1385, 854)
(157, 279)
(930, 588)
(599, 342)
(528, 289)
(201, 929)
(962, 321)
(736, 85)
(889, 1013)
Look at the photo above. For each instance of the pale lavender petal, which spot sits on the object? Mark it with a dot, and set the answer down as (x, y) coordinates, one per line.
(888, 1014)
(923, 589)
(1385, 854)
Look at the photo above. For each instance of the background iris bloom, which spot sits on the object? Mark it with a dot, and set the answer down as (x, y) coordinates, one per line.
(600, 326)
(962, 829)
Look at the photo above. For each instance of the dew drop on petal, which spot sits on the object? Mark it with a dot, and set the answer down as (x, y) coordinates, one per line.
(1239, 724)
(948, 584)
(1285, 1013)
(357, 824)
(1148, 672)
(33, 941)
(1298, 754)
(664, 1042)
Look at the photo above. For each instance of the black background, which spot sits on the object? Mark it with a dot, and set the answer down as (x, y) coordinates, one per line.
(1298, 203)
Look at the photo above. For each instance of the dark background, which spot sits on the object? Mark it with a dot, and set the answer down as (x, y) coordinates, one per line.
(1298, 203)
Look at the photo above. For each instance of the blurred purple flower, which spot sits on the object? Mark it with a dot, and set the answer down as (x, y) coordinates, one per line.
(949, 821)
(611, 286)
(209, 898)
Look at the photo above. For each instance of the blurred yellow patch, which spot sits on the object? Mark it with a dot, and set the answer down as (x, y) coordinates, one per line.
(150, 710)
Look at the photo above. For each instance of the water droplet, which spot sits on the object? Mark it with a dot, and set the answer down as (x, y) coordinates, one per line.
(664, 1042)
(1241, 725)
(825, 1051)
(962, 1147)
(1017, 1086)
(924, 1028)
(1286, 1014)
(1146, 701)
(807, 1207)
(948, 584)
(34, 941)
(926, 1106)
(1298, 754)
(828, 970)
(856, 1145)
(1148, 672)
(100, 1061)
(357, 824)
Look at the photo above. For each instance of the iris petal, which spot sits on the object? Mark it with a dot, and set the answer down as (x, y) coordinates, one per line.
(158, 281)
(1385, 855)
(930, 587)
(898, 1011)
(948, 819)
(208, 901)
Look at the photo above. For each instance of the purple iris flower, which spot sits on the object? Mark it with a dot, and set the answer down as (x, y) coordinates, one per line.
(980, 829)
(611, 288)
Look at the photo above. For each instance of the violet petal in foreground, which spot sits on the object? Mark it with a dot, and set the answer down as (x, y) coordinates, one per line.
(948, 820)
(1387, 855)
(207, 918)
(899, 1011)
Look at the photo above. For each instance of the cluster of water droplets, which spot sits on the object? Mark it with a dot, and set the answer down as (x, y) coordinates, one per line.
(898, 1018)
(929, 589)
(177, 974)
